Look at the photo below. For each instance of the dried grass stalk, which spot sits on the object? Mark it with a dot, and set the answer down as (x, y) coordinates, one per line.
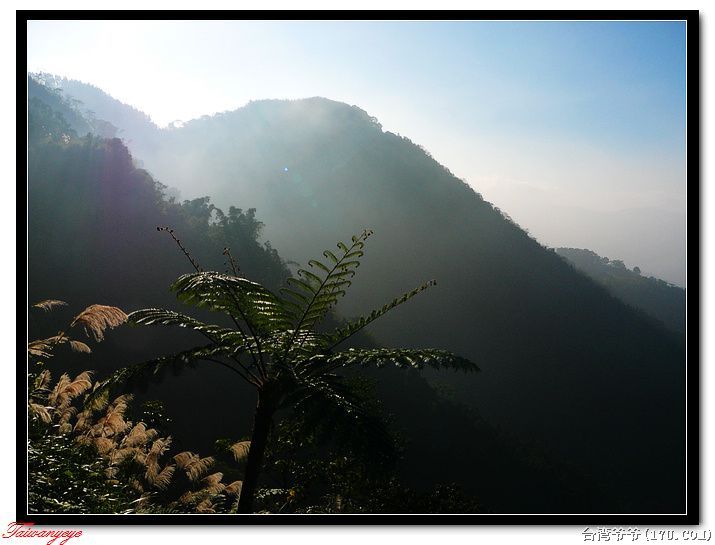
(97, 318)
(212, 483)
(205, 506)
(240, 450)
(49, 304)
(234, 488)
(40, 412)
(79, 346)
(194, 466)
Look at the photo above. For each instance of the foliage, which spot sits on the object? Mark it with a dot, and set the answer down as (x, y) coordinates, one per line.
(319, 465)
(275, 346)
(88, 457)
(65, 477)
(546, 336)
(64, 474)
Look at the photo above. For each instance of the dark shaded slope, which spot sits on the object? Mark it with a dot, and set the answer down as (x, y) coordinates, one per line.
(93, 239)
(565, 364)
(661, 300)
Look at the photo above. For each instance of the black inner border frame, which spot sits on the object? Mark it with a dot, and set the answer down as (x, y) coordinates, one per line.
(693, 427)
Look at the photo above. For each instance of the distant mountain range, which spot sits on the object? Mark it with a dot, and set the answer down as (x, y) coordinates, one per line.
(658, 298)
(566, 365)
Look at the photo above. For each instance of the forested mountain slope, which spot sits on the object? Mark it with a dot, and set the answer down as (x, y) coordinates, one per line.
(565, 364)
(661, 300)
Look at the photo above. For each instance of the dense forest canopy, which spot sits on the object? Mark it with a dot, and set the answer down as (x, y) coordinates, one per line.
(564, 363)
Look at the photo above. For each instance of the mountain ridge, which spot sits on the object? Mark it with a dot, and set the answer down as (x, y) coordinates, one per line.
(562, 359)
(657, 298)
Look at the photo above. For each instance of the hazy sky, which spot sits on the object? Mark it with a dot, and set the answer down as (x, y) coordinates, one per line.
(576, 130)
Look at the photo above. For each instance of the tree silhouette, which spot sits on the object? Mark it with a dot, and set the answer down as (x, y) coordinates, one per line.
(274, 344)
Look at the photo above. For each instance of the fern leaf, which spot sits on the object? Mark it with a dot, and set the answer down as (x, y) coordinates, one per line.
(305, 286)
(217, 334)
(238, 297)
(331, 256)
(322, 288)
(319, 265)
(405, 358)
(311, 277)
(343, 333)
(328, 400)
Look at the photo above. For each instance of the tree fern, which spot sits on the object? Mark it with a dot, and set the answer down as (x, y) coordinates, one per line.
(274, 344)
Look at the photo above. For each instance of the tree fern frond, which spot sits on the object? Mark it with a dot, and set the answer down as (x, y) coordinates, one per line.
(307, 287)
(311, 277)
(331, 256)
(327, 399)
(345, 332)
(299, 342)
(299, 297)
(218, 334)
(238, 297)
(319, 265)
(322, 289)
(379, 357)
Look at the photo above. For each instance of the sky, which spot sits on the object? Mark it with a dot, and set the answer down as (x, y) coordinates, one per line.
(575, 129)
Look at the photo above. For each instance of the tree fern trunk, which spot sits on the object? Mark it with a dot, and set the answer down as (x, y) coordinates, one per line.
(259, 438)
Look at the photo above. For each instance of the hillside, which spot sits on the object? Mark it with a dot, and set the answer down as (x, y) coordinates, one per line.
(565, 365)
(657, 298)
(92, 219)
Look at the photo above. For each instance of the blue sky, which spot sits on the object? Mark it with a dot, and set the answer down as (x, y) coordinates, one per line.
(576, 129)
